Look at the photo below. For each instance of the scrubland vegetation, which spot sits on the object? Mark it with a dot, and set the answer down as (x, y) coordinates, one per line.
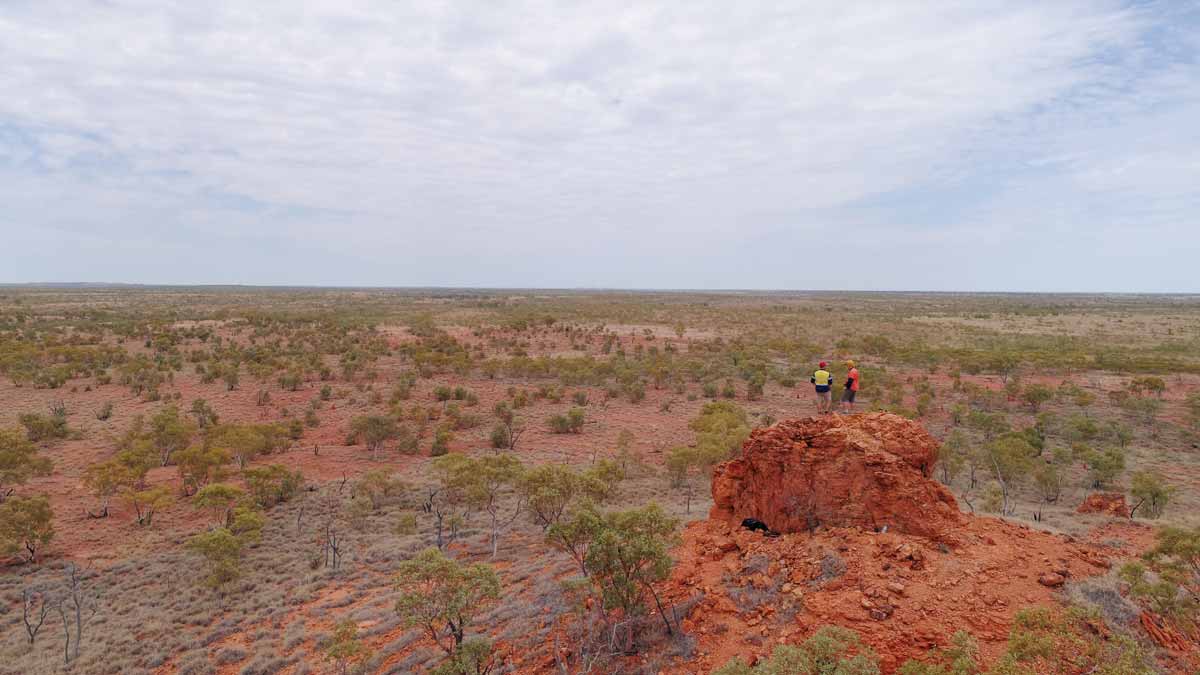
(469, 482)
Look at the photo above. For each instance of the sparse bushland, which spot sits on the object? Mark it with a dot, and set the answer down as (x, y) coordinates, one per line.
(740, 343)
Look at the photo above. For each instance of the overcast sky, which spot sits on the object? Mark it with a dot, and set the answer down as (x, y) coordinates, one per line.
(1007, 145)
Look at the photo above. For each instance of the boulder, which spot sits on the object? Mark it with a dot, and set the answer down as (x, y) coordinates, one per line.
(870, 471)
(1110, 503)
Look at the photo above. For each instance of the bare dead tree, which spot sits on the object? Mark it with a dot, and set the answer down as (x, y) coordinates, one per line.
(82, 605)
(35, 606)
(332, 545)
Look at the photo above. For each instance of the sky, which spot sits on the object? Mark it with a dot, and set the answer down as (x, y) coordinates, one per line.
(1008, 145)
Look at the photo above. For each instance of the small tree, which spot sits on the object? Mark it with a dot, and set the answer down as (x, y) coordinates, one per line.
(105, 480)
(26, 524)
(169, 433)
(574, 535)
(685, 466)
(204, 413)
(952, 456)
(1048, 480)
(199, 465)
(220, 500)
(244, 442)
(272, 484)
(443, 596)
(146, 503)
(1151, 492)
(508, 429)
(377, 487)
(374, 431)
(1106, 466)
(484, 483)
(1036, 394)
(19, 461)
(345, 649)
(221, 550)
(548, 490)
(628, 555)
(1010, 459)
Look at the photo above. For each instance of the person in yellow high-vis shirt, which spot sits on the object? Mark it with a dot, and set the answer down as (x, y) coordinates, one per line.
(822, 380)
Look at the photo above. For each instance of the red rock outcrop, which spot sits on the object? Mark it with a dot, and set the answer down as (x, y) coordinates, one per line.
(1111, 503)
(869, 471)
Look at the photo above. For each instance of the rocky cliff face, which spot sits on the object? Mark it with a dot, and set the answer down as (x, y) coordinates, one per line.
(869, 471)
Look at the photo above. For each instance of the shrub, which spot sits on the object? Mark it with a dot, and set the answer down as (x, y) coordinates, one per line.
(39, 427)
(832, 650)
(1042, 641)
(960, 658)
(221, 551)
(570, 423)
(1168, 574)
(441, 442)
(500, 437)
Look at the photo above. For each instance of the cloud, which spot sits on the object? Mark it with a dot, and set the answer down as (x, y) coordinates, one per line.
(584, 144)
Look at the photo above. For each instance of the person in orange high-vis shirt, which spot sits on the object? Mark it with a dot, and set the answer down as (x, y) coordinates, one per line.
(850, 391)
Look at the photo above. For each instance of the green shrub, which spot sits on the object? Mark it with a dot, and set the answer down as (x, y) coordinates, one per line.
(832, 650)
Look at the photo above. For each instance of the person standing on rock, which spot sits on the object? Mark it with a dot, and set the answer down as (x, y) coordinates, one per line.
(850, 391)
(822, 380)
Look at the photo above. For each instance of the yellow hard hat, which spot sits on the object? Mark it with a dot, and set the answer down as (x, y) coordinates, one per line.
(850, 363)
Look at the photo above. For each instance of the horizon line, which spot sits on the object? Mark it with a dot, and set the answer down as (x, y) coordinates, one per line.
(118, 285)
